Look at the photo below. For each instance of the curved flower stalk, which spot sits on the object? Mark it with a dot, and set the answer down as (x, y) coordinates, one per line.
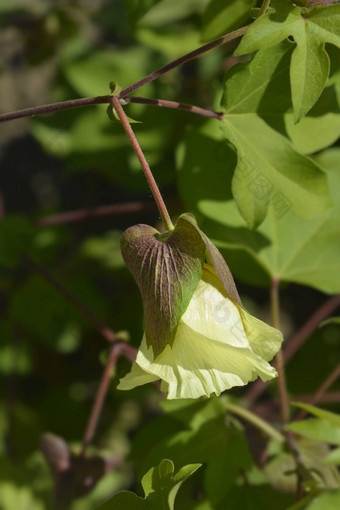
(215, 344)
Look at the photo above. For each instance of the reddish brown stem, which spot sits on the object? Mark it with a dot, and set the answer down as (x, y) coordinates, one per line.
(145, 165)
(55, 107)
(116, 350)
(97, 212)
(311, 325)
(331, 397)
(86, 101)
(330, 379)
(173, 104)
(106, 332)
(301, 471)
(298, 340)
(182, 60)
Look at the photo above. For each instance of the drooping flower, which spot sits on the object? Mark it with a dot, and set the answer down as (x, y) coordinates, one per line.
(213, 344)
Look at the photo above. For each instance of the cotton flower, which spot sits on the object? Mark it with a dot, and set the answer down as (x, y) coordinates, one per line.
(217, 345)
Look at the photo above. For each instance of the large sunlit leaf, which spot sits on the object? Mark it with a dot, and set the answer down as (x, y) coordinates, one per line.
(311, 29)
(285, 246)
(268, 164)
(262, 86)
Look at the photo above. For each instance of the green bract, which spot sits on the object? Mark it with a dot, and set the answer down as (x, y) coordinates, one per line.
(198, 338)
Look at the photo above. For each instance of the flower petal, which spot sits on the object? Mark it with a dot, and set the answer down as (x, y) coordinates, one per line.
(212, 314)
(136, 377)
(264, 340)
(197, 366)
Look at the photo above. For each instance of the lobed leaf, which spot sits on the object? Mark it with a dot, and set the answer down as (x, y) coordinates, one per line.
(267, 163)
(284, 246)
(311, 29)
(160, 485)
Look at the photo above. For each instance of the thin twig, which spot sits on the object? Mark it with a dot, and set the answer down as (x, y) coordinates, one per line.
(311, 325)
(301, 471)
(96, 212)
(55, 107)
(145, 166)
(182, 60)
(116, 350)
(331, 397)
(106, 332)
(263, 8)
(87, 101)
(330, 379)
(174, 104)
(298, 340)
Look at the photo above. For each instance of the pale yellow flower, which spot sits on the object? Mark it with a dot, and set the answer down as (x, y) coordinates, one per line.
(217, 345)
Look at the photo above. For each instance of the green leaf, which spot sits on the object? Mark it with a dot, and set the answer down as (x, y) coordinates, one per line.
(285, 246)
(262, 86)
(13, 497)
(333, 457)
(329, 500)
(160, 485)
(113, 115)
(221, 17)
(167, 268)
(125, 499)
(318, 429)
(331, 320)
(281, 469)
(333, 418)
(311, 29)
(268, 165)
(202, 436)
